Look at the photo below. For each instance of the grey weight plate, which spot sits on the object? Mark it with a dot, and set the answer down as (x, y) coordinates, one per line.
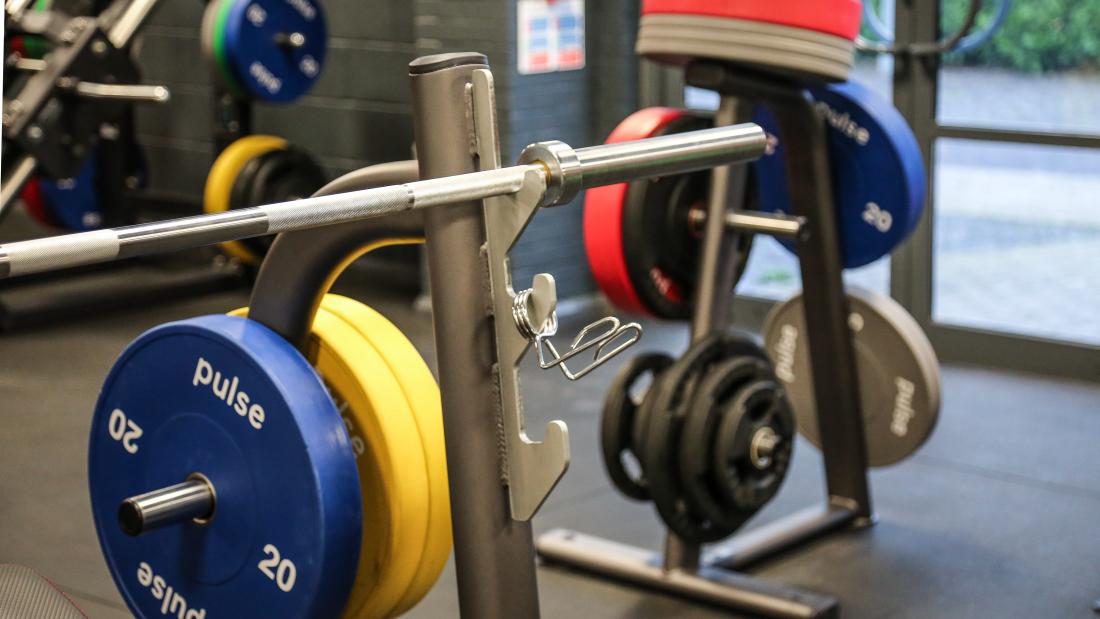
(206, 33)
(899, 375)
(678, 38)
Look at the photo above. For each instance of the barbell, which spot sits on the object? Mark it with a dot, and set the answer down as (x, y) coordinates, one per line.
(558, 171)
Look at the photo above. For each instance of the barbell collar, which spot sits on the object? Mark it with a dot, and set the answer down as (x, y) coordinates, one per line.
(191, 501)
(562, 171)
(571, 171)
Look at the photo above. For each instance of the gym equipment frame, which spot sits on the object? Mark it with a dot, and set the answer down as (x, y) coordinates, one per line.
(685, 569)
(498, 477)
(85, 43)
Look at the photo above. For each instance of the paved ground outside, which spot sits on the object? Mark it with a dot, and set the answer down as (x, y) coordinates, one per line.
(1017, 230)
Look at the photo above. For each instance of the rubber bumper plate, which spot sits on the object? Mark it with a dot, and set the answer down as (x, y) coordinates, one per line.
(226, 398)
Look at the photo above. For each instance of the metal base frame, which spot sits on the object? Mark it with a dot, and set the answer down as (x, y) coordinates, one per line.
(684, 569)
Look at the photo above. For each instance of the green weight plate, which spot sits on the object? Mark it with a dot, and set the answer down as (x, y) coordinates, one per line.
(217, 39)
(899, 377)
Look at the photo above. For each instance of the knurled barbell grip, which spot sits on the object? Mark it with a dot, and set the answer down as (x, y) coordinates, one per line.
(564, 172)
(192, 500)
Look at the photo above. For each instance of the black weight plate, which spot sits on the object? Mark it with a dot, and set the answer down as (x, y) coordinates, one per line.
(661, 241)
(671, 400)
(281, 176)
(744, 485)
(617, 423)
(242, 185)
(697, 441)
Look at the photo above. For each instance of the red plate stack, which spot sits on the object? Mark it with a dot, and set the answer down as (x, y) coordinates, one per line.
(812, 39)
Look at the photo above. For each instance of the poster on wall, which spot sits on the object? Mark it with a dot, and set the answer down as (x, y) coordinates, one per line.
(550, 35)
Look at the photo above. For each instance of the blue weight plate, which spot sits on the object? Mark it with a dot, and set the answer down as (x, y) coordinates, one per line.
(74, 202)
(877, 171)
(257, 48)
(284, 537)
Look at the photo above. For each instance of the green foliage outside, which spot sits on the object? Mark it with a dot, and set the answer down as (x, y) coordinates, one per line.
(1037, 35)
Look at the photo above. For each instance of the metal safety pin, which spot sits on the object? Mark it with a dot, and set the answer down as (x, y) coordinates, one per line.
(608, 330)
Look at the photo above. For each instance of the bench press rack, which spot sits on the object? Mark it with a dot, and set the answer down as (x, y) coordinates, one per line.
(714, 577)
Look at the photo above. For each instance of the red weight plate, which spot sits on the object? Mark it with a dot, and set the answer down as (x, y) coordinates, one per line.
(603, 214)
(836, 17)
(35, 204)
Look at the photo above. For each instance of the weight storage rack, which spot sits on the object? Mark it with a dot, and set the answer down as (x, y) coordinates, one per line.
(714, 576)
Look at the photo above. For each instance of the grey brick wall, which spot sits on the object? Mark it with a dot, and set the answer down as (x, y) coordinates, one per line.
(358, 114)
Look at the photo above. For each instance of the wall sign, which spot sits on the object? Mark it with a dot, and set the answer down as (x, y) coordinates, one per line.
(549, 35)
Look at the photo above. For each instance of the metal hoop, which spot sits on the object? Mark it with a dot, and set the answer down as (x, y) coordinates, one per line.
(961, 41)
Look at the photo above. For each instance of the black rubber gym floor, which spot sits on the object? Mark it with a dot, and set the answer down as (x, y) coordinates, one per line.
(998, 516)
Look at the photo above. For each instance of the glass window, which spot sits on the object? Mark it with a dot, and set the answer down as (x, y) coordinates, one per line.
(1017, 239)
(1038, 69)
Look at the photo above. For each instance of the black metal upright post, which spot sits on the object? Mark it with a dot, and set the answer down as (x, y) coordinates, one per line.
(718, 262)
(494, 554)
(832, 357)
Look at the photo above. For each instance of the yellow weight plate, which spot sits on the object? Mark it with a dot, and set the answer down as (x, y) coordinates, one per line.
(390, 459)
(422, 393)
(219, 182)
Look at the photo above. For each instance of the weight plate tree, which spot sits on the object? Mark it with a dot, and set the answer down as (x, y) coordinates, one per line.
(642, 239)
(899, 376)
(877, 171)
(812, 41)
(217, 193)
(225, 404)
(271, 50)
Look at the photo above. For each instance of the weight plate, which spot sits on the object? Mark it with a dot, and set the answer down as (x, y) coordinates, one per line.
(899, 376)
(837, 17)
(617, 422)
(206, 32)
(275, 176)
(877, 171)
(709, 407)
(390, 459)
(227, 398)
(804, 55)
(274, 48)
(640, 238)
(671, 402)
(74, 202)
(220, 16)
(35, 204)
(219, 182)
(603, 214)
(422, 392)
(754, 445)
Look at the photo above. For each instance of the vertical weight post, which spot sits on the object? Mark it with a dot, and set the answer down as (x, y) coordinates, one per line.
(494, 554)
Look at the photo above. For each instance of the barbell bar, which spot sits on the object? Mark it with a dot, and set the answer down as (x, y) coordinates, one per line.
(561, 171)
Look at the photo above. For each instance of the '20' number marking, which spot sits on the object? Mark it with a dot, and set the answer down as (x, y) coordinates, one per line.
(282, 571)
(124, 430)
